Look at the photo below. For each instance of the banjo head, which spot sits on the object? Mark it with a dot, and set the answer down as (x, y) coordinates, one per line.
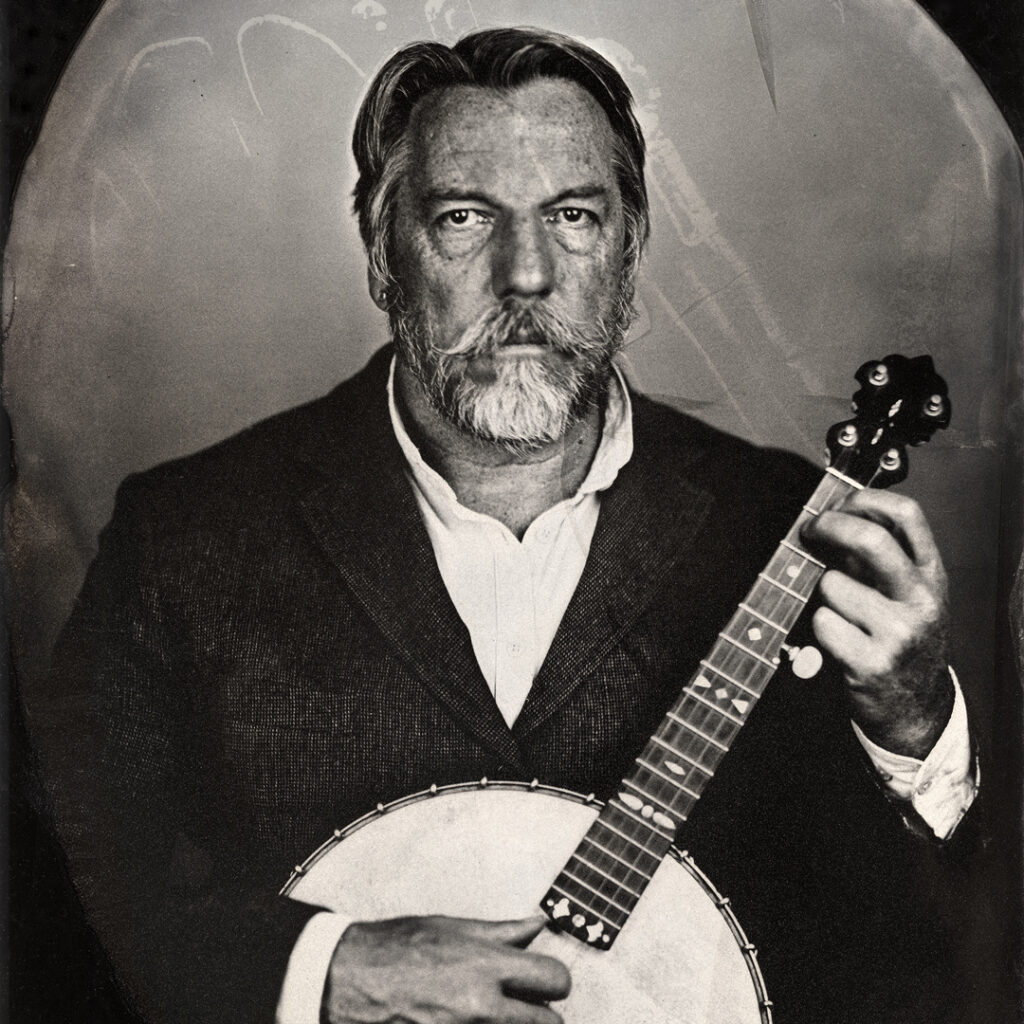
(490, 850)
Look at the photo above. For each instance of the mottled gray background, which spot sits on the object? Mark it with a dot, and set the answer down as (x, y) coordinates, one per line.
(182, 262)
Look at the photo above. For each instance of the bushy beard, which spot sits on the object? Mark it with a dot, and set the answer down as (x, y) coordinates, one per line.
(526, 402)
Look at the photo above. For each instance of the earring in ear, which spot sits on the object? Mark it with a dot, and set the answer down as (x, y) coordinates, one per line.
(384, 297)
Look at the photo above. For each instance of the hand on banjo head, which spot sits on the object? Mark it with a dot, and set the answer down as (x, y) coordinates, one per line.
(443, 970)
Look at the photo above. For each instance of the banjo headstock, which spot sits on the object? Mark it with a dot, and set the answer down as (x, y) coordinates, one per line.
(901, 402)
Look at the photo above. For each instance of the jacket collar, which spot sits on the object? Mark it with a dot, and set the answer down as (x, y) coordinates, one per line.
(360, 507)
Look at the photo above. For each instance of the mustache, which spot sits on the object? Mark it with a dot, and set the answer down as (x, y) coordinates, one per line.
(515, 322)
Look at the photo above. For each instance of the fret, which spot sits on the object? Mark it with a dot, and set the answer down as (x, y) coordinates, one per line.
(653, 841)
(614, 856)
(811, 511)
(705, 717)
(803, 554)
(561, 891)
(675, 718)
(675, 783)
(733, 696)
(566, 873)
(776, 603)
(682, 757)
(722, 674)
(616, 881)
(763, 618)
(648, 798)
(733, 663)
(714, 707)
(693, 748)
(648, 822)
(782, 586)
(604, 823)
(745, 650)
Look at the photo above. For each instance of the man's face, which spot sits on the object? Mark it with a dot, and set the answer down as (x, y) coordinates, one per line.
(508, 252)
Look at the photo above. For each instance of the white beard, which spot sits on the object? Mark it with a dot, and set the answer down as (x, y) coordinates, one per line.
(530, 401)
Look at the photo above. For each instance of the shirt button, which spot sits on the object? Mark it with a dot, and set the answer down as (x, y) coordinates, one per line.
(514, 648)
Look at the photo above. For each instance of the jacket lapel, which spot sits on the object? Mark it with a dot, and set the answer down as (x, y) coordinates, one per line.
(649, 518)
(361, 509)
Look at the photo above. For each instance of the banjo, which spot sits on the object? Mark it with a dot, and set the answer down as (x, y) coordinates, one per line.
(497, 850)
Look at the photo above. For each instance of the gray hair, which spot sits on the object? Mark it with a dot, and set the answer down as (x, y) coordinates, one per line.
(499, 59)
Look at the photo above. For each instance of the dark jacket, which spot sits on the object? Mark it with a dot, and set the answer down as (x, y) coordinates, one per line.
(264, 649)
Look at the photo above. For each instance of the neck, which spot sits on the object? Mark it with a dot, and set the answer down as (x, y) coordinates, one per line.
(512, 487)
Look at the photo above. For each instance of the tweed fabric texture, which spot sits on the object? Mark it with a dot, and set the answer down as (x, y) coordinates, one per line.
(264, 649)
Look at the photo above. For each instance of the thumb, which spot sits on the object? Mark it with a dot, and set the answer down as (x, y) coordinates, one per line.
(507, 933)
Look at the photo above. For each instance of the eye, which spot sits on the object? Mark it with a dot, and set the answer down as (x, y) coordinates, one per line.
(461, 219)
(573, 216)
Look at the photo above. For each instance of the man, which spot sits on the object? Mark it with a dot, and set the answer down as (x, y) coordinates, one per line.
(483, 556)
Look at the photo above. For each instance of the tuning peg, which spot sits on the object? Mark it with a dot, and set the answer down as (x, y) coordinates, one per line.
(890, 461)
(879, 375)
(807, 661)
(934, 406)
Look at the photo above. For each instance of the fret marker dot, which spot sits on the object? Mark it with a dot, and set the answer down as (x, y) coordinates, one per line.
(741, 705)
(702, 682)
(664, 821)
(675, 769)
(792, 571)
(754, 633)
(647, 811)
(634, 803)
(579, 920)
(721, 693)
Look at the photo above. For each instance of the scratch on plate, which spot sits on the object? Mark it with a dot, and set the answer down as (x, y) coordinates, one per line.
(967, 116)
(280, 19)
(757, 12)
(238, 132)
(671, 182)
(433, 10)
(133, 66)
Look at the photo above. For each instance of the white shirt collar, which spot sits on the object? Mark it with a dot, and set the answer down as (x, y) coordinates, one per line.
(613, 452)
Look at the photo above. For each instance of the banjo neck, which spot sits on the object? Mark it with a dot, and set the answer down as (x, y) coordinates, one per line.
(601, 883)
(901, 401)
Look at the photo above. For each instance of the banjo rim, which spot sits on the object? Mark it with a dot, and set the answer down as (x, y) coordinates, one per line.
(722, 903)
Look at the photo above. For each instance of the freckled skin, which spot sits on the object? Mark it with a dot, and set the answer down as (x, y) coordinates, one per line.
(514, 152)
(508, 193)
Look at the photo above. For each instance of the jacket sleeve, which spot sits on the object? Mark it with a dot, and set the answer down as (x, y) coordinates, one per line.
(192, 937)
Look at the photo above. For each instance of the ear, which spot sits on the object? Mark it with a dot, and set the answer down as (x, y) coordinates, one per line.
(378, 290)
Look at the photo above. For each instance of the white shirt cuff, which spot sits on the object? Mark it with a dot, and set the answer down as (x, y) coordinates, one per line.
(303, 989)
(942, 787)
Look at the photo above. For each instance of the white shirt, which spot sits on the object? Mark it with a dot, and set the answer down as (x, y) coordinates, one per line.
(512, 594)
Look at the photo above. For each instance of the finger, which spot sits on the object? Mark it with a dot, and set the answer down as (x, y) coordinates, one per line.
(859, 604)
(519, 932)
(535, 977)
(868, 549)
(513, 1011)
(903, 517)
(845, 642)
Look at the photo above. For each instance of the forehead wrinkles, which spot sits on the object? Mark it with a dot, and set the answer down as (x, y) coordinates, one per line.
(550, 124)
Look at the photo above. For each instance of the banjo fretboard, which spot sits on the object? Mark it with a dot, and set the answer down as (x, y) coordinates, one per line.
(597, 889)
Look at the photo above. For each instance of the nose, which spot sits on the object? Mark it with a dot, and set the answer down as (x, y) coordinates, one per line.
(523, 263)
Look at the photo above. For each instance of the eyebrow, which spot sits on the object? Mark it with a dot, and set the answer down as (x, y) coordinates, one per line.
(473, 196)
